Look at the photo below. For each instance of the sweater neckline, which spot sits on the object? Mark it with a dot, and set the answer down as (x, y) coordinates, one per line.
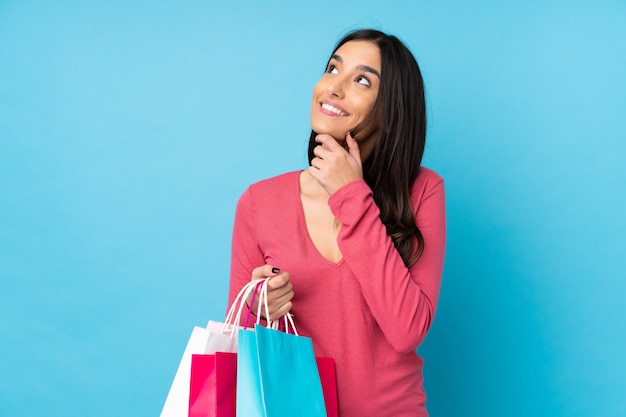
(302, 219)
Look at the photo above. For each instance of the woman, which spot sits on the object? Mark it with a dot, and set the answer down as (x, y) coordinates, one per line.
(355, 243)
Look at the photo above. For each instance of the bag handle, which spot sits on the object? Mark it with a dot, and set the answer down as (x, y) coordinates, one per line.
(274, 324)
(233, 317)
(263, 301)
(286, 324)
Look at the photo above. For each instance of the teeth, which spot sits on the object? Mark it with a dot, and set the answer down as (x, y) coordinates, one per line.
(333, 109)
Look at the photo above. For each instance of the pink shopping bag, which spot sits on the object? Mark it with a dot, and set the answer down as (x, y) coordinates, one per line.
(213, 385)
(326, 368)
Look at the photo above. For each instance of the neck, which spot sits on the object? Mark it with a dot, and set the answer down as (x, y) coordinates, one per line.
(309, 187)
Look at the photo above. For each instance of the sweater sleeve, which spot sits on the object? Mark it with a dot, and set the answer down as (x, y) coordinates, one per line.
(245, 253)
(402, 300)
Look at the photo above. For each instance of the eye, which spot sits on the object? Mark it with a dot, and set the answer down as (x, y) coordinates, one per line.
(363, 81)
(332, 69)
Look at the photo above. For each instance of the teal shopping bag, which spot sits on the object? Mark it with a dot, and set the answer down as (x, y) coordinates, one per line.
(289, 378)
(277, 375)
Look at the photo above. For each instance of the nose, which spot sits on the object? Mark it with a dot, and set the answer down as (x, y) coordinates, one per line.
(335, 87)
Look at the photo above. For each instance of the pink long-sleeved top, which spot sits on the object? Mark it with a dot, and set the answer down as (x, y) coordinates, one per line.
(368, 311)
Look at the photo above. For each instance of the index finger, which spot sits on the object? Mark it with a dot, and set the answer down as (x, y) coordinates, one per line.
(328, 142)
(278, 281)
(264, 271)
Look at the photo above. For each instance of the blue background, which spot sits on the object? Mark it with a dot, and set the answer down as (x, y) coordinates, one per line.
(128, 129)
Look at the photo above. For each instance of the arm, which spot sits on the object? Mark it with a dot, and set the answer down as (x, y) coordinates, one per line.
(245, 251)
(248, 262)
(402, 300)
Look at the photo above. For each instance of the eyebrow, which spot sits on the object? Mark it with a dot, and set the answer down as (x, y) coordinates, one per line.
(361, 67)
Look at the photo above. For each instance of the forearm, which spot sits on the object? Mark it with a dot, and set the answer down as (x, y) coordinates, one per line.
(402, 300)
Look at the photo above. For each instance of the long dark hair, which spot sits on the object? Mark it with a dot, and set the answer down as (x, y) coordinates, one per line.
(394, 163)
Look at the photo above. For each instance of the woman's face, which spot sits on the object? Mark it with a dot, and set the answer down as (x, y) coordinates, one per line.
(345, 95)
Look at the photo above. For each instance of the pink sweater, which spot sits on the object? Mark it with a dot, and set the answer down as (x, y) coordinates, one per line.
(368, 311)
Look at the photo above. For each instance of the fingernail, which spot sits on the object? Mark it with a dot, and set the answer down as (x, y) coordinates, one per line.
(275, 270)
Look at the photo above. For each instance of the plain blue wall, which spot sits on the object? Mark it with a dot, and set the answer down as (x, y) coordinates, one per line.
(128, 129)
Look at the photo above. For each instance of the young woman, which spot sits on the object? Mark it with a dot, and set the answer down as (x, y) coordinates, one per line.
(355, 243)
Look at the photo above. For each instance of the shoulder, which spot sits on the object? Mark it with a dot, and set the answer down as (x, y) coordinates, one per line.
(277, 181)
(276, 184)
(427, 183)
(427, 176)
(272, 189)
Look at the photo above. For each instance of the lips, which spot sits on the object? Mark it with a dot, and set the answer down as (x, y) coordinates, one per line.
(332, 109)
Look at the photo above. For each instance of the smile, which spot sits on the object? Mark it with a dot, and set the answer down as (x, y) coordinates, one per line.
(333, 109)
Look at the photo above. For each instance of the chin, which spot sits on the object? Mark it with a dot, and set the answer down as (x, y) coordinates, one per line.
(339, 135)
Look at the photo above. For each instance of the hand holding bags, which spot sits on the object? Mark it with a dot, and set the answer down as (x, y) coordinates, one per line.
(216, 337)
(277, 374)
(281, 375)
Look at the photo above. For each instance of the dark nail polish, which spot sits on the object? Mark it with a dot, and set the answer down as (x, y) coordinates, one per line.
(275, 270)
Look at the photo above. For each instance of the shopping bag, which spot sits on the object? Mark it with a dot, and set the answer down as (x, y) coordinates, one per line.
(326, 368)
(288, 373)
(176, 403)
(213, 384)
(215, 337)
(250, 398)
(277, 375)
(247, 387)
